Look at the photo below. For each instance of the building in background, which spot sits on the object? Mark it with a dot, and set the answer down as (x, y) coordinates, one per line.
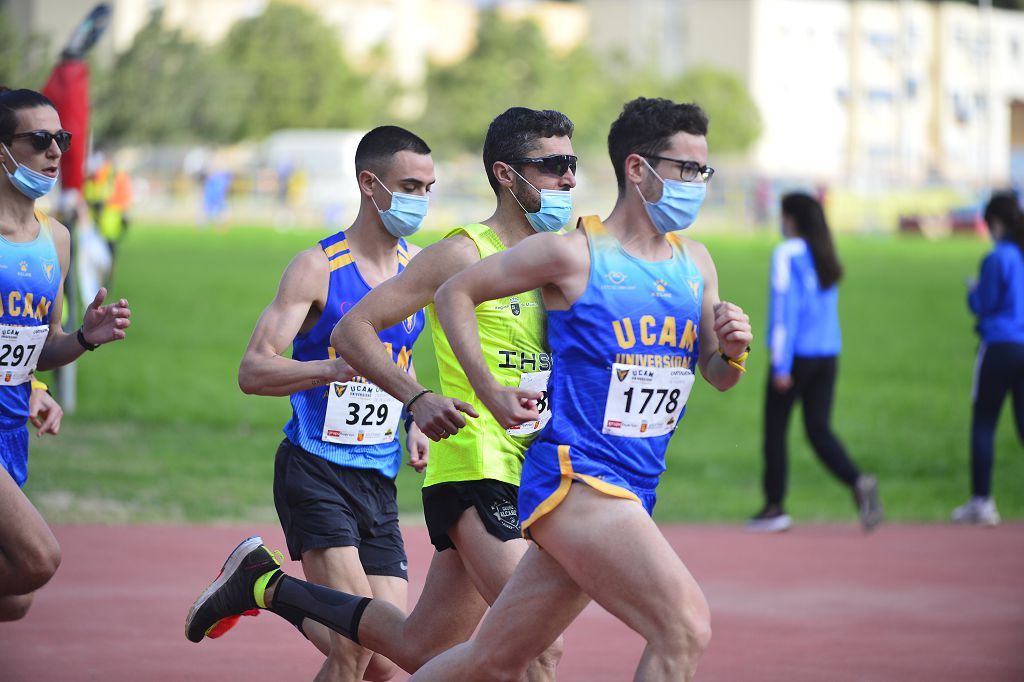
(865, 92)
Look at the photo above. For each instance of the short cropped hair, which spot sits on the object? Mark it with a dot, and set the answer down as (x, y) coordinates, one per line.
(645, 126)
(378, 147)
(514, 134)
(13, 101)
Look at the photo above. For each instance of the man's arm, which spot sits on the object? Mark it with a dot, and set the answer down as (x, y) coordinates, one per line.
(724, 327)
(416, 441)
(355, 336)
(264, 371)
(543, 261)
(101, 323)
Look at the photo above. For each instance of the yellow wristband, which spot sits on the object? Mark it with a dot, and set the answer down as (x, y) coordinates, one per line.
(736, 362)
(39, 386)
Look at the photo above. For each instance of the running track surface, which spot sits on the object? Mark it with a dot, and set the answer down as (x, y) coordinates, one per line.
(910, 602)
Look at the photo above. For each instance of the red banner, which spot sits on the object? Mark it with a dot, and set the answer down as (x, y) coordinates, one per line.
(68, 89)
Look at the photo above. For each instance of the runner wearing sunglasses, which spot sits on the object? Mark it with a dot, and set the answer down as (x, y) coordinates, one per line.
(471, 484)
(34, 259)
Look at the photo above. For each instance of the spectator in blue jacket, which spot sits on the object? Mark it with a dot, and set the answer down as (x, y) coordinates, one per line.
(804, 341)
(997, 300)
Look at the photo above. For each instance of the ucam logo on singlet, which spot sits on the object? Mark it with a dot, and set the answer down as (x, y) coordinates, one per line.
(48, 268)
(653, 333)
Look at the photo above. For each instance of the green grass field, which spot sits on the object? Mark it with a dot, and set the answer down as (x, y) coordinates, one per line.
(163, 433)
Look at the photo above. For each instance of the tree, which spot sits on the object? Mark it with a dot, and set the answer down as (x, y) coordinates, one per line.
(166, 88)
(298, 77)
(511, 65)
(735, 122)
(24, 60)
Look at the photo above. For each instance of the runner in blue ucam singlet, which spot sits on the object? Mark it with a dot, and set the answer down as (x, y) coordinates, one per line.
(309, 408)
(646, 318)
(29, 279)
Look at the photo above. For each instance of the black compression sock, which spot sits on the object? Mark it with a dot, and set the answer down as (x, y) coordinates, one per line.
(340, 611)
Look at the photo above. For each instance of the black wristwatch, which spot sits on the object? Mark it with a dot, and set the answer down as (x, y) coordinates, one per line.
(85, 344)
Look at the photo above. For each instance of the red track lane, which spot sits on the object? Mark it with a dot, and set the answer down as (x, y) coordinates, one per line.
(911, 602)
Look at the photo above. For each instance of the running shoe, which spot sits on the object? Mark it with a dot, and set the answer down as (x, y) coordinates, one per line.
(233, 592)
(869, 507)
(978, 510)
(771, 519)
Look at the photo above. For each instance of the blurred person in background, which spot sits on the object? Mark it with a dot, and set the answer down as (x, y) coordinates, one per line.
(804, 340)
(215, 184)
(997, 300)
(35, 253)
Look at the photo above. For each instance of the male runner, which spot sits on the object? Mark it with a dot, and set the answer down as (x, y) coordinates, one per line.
(334, 472)
(632, 307)
(469, 494)
(35, 254)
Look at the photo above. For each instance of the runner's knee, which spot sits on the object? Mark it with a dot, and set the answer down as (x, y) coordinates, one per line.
(684, 629)
(15, 606)
(36, 563)
(380, 669)
(497, 666)
(552, 655)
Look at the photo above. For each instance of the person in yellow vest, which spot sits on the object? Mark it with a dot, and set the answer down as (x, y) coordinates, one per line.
(113, 218)
(98, 185)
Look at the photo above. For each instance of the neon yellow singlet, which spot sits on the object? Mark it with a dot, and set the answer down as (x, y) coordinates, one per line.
(513, 337)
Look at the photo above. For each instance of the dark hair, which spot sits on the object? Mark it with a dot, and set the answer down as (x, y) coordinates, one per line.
(1005, 207)
(514, 134)
(13, 101)
(378, 147)
(645, 126)
(809, 220)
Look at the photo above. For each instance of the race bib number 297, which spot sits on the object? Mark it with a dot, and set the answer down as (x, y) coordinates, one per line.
(644, 402)
(20, 348)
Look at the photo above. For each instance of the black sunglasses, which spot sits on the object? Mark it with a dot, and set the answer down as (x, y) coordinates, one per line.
(688, 170)
(41, 139)
(556, 164)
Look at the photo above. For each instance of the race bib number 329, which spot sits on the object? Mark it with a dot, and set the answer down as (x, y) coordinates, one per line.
(359, 413)
(644, 402)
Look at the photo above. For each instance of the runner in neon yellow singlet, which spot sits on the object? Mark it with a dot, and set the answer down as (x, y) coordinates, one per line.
(513, 331)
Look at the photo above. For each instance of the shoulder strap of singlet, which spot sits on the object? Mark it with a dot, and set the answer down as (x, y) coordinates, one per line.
(336, 249)
(44, 223)
(483, 236)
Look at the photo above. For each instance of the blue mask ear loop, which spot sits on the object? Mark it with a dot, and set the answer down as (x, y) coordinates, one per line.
(385, 189)
(10, 154)
(637, 186)
(514, 194)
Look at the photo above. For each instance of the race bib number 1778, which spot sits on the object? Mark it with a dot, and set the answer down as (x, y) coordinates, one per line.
(644, 402)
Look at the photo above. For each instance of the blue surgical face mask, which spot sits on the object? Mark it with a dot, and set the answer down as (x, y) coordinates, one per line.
(32, 184)
(677, 208)
(406, 213)
(555, 208)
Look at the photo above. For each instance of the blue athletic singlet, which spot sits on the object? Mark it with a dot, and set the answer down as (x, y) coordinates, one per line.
(620, 355)
(309, 407)
(29, 281)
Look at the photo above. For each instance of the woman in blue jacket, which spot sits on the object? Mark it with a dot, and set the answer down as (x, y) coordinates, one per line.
(997, 300)
(804, 340)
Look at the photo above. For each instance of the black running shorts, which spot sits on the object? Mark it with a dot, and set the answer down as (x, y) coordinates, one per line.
(494, 501)
(324, 505)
